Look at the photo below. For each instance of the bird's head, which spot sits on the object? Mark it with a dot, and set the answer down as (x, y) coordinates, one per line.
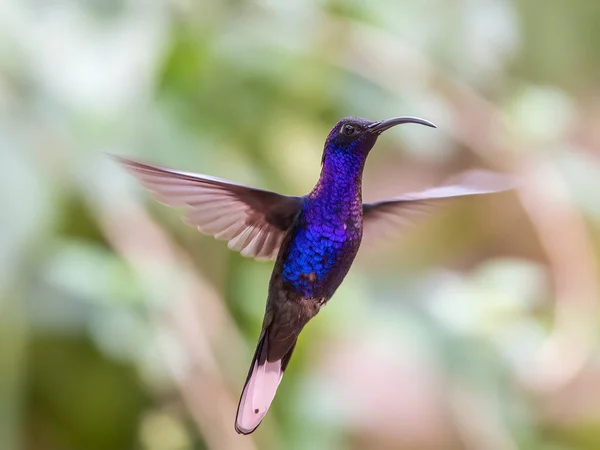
(358, 135)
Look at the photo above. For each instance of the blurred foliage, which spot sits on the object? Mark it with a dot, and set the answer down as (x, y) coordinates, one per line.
(471, 330)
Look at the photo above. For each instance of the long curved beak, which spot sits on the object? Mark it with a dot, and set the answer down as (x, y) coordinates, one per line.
(380, 127)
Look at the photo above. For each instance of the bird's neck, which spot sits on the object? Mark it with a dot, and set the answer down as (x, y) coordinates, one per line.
(340, 184)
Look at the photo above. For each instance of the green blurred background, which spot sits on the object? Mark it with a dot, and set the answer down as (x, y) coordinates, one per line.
(121, 328)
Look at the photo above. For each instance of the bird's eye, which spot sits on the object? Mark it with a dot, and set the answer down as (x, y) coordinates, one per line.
(349, 130)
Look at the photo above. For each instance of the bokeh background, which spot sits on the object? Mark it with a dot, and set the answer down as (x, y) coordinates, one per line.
(476, 328)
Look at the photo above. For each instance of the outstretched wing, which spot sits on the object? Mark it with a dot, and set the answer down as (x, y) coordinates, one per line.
(252, 220)
(382, 218)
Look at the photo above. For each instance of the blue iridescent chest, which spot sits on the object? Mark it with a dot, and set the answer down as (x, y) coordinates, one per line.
(329, 230)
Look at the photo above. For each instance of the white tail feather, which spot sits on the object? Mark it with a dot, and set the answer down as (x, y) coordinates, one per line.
(257, 396)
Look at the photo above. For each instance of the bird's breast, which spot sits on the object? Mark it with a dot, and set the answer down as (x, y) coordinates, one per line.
(320, 253)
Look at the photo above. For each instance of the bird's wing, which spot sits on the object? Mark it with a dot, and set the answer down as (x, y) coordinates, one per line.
(383, 218)
(252, 220)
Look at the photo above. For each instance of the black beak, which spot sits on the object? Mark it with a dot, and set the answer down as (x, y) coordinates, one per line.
(380, 127)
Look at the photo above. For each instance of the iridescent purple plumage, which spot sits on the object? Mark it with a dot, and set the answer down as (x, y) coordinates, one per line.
(329, 230)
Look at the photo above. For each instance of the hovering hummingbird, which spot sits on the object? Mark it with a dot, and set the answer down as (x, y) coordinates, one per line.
(314, 238)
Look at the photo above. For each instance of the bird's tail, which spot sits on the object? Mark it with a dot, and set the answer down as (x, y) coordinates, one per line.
(261, 385)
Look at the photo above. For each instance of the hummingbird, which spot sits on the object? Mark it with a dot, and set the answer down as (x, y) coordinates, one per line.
(313, 238)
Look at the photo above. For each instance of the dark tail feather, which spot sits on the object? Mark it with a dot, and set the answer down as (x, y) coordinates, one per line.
(260, 388)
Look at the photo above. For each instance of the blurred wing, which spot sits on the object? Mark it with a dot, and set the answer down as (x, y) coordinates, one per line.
(252, 220)
(383, 218)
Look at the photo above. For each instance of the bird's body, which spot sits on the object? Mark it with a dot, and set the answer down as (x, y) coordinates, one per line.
(328, 231)
(314, 238)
